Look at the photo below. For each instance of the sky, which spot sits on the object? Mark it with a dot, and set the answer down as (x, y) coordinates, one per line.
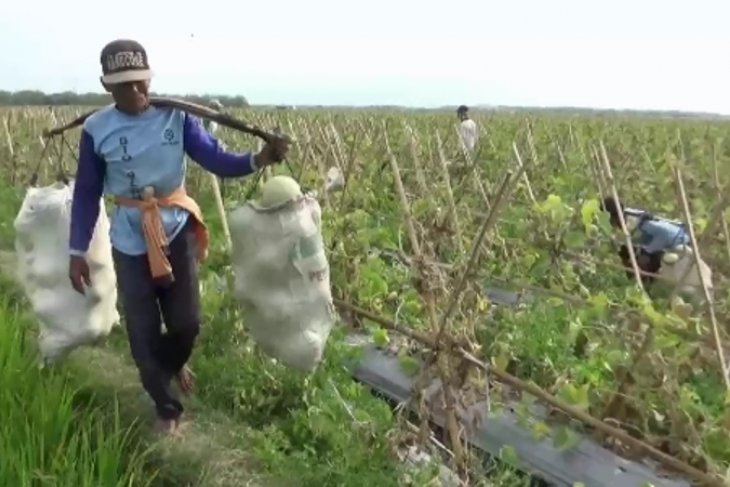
(638, 54)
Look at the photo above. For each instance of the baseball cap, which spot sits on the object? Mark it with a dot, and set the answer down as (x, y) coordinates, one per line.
(124, 60)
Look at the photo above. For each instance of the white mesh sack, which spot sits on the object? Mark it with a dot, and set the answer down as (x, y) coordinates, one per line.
(680, 260)
(334, 181)
(67, 319)
(282, 275)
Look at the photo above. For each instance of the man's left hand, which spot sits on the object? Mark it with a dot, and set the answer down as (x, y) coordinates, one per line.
(273, 152)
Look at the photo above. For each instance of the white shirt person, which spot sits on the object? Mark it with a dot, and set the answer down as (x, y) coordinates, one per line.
(467, 129)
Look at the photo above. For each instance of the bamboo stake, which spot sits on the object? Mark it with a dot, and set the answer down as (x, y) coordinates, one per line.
(489, 222)
(8, 137)
(450, 195)
(420, 178)
(596, 170)
(715, 217)
(520, 165)
(338, 144)
(706, 292)
(221, 209)
(405, 206)
(531, 144)
(622, 221)
(561, 155)
(429, 298)
(718, 188)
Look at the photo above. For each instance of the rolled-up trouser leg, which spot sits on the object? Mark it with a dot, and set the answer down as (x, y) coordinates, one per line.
(649, 262)
(626, 261)
(143, 323)
(180, 303)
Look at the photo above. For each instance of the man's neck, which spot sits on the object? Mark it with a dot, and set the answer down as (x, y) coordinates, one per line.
(131, 114)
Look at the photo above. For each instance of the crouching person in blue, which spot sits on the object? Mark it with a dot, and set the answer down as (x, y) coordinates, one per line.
(652, 237)
(136, 153)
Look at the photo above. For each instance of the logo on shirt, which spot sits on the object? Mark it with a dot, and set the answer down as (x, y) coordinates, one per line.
(123, 142)
(168, 137)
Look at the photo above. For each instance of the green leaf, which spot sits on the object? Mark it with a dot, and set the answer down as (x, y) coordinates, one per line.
(376, 285)
(501, 361)
(380, 337)
(576, 396)
(540, 430)
(582, 400)
(575, 240)
(599, 302)
(552, 202)
(574, 327)
(522, 412)
(409, 365)
(508, 454)
(588, 211)
(542, 266)
(564, 438)
(665, 341)
(616, 357)
(604, 223)
(421, 208)
(700, 225)
(656, 318)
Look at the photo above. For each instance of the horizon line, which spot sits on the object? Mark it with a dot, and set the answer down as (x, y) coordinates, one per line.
(445, 106)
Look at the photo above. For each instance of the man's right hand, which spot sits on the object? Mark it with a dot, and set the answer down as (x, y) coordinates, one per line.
(78, 272)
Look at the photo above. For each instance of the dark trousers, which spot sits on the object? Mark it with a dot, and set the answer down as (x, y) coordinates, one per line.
(159, 357)
(650, 262)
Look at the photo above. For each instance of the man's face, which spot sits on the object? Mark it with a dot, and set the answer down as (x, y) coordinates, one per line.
(132, 97)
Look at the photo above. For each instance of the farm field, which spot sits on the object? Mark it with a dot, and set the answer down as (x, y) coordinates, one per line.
(400, 237)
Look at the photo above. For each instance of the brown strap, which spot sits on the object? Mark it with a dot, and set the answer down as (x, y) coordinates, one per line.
(153, 231)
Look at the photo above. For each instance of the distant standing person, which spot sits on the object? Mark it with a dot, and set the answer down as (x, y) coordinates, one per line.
(467, 129)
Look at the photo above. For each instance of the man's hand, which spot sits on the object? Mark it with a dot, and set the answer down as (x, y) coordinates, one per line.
(273, 152)
(78, 272)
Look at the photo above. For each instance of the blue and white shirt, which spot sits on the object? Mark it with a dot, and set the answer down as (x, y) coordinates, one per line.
(656, 235)
(120, 154)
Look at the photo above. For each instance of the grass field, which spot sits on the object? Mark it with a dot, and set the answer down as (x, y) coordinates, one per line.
(50, 434)
(651, 369)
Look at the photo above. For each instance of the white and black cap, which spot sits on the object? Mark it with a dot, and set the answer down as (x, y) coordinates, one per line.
(124, 61)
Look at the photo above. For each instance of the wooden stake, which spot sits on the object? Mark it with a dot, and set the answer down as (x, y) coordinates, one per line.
(624, 229)
(698, 260)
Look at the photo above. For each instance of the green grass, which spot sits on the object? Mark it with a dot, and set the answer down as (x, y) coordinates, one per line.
(48, 436)
(250, 420)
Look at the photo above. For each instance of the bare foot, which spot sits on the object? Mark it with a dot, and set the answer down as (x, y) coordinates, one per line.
(185, 379)
(165, 426)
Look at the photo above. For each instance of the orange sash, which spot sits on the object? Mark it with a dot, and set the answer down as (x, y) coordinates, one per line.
(154, 233)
